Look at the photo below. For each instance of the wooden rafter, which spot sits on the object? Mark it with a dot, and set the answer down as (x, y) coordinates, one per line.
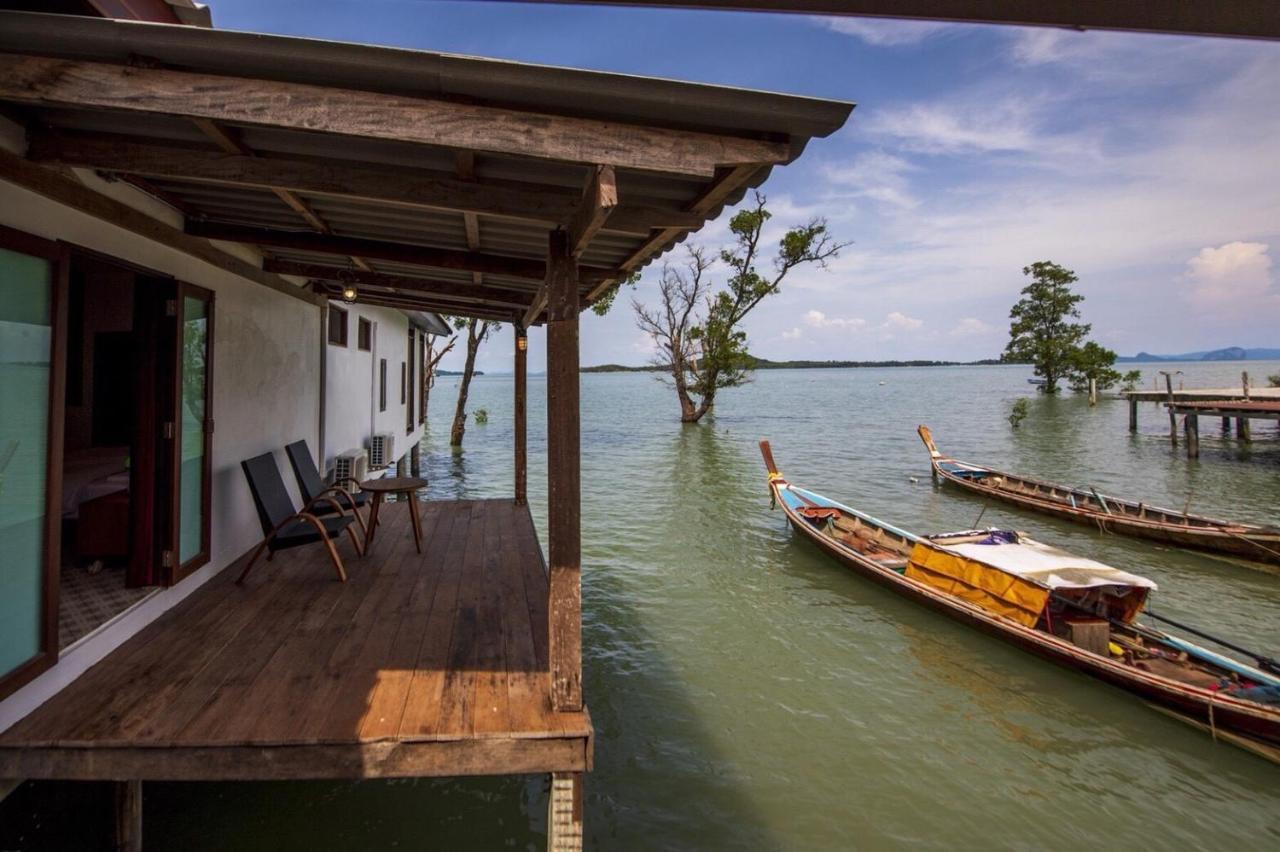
(73, 193)
(492, 295)
(599, 198)
(366, 182)
(47, 81)
(381, 250)
(421, 303)
(726, 183)
(231, 143)
(466, 168)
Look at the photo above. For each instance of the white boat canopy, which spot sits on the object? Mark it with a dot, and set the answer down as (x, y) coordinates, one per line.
(1047, 566)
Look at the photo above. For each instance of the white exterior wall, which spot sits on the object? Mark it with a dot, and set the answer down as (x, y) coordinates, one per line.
(266, 392)
(351, 385)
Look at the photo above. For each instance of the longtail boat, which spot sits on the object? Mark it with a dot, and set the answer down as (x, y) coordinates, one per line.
(1075, 612)
(1112, 514)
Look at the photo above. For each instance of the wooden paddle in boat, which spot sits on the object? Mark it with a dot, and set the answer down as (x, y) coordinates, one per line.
(1259, 545)
(1075, 612)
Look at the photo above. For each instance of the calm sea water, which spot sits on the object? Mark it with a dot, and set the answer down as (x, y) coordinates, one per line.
(748, 693)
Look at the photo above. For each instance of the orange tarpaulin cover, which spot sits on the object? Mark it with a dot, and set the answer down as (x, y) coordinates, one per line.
(990, 588)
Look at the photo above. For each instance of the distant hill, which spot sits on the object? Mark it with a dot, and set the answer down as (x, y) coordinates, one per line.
(457, 373)
(765, 364)
(1229, 353)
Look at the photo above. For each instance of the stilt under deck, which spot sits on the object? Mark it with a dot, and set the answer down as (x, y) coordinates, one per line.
(420, 665)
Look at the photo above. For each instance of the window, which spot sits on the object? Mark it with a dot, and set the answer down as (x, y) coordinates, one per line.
(422, 379)
(402, 383)
(408, 410)
(337, 326)
(364, 335)
(382, 384)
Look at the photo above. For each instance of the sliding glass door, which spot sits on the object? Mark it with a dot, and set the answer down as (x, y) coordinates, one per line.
(30, 455)
(193, 429)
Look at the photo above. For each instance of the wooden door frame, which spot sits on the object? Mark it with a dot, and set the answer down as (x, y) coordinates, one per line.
(176, 572)
(58, 256)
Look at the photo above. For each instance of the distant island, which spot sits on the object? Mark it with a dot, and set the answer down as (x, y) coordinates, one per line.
(765, 364)
(1229, 353)
(456, 373)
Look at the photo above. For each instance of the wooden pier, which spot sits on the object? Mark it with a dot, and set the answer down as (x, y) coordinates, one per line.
(1243, 404)
(1242, 410)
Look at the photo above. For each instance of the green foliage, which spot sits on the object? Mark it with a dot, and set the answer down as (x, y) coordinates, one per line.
(697, 331)
(1274, 380)
(1021, 408)
(1131, 380)
(481, 416)
(605, 300)
(1042, 332)
(1092, 361)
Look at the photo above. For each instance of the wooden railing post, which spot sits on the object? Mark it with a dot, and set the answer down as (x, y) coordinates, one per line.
(521, 401)
(563, 477)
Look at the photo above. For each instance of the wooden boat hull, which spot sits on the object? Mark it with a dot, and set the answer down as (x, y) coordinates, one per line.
(1254, 726)
(1255, 544)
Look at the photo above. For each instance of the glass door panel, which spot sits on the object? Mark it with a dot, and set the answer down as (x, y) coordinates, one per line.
(192, 432)
(26, 353)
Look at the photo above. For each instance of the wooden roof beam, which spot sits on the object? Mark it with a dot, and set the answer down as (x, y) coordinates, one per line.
(365, 182)
(231, 143)
(420, 303)
(466, 168)
(515, 267)
(491, 295)
(46, 81)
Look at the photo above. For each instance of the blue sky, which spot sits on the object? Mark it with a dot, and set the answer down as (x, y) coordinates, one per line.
(1148, 164)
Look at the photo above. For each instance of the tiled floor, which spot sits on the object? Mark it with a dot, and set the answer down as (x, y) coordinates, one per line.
(86, 601)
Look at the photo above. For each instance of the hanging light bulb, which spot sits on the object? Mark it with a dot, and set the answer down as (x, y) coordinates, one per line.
(349, 292)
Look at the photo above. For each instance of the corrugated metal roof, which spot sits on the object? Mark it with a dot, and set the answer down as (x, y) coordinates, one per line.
(542, 89)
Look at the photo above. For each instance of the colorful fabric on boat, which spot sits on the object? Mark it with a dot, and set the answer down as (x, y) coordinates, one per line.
(968, 579)
(1048, 566)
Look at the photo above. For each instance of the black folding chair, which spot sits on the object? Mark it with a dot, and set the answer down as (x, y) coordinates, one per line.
(313, 487)
(282, 526)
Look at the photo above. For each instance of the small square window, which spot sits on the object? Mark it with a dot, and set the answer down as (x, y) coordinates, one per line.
(337, 326)
(364, 335)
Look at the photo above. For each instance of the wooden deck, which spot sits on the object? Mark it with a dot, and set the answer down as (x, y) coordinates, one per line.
(431, 665)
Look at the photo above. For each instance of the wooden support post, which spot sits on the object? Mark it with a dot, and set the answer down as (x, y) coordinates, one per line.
(564, 812)
(563, 477)
(521, 416)
(128, 816)
(1226, 425)
(1173, 418)
(1192, 424)
(415, 460)
(1242, 429)
(1244, 380)
(1133, 414)
(1093, 392)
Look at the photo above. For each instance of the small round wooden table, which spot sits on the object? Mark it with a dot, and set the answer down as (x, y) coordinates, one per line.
(380, 488)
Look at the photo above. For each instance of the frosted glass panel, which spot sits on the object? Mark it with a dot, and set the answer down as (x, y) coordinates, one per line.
(195, 348)
(25, 341)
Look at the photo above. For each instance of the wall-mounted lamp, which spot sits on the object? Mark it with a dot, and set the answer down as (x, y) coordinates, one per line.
(522, 342)
(349, 293)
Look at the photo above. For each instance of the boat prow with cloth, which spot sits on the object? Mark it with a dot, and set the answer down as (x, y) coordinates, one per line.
(1076, 612)
(1260, 545)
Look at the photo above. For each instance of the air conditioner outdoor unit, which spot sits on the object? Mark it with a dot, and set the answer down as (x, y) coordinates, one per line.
(382, 450)
(350, 465)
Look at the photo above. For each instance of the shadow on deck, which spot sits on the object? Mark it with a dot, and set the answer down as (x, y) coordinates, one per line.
(419, 665)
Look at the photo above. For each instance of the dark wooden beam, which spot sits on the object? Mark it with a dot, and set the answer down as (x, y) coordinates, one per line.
(520, 417)
(483, 295)
(47, 81)
(599, 198)
(725, 184)
(514, 267)
(409, 302)
(73, 193)
(564, 485)
(1246, 18)
(412, 188)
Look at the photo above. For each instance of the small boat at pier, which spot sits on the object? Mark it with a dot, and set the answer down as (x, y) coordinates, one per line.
(1075, 612)
(1112, 514)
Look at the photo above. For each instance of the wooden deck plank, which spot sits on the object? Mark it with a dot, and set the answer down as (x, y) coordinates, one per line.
(420, 665)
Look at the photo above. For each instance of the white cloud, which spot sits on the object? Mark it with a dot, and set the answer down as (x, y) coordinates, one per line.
(818, 319)
(884, 33)
(954, 128)
(1234, 278)
(793, 334)
(898, 321)
(879, 176)
(971, 327)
